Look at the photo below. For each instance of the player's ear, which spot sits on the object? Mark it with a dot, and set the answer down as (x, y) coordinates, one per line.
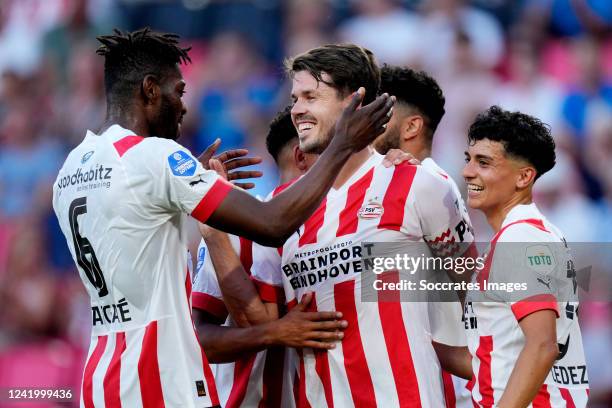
(347, 99)
(411, 126)
(150, 89)
(299, 158)
(526, 176)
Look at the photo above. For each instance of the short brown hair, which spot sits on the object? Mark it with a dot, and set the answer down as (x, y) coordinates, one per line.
(349, 67)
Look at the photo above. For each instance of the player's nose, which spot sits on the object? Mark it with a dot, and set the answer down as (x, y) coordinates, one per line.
(468, 171)
(298, 108)
(183, 109)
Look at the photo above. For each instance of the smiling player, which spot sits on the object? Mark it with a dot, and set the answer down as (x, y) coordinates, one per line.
(520, 345)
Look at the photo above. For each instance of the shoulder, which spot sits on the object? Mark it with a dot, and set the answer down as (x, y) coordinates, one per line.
(431, 183)
(156, 152)
(528, 230)
(160, 147)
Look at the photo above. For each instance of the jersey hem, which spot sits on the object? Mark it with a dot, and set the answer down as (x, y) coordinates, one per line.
(534, 304)
(211, 201)
(209, 304)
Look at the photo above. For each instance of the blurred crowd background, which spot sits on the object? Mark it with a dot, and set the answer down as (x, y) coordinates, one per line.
(548, 58)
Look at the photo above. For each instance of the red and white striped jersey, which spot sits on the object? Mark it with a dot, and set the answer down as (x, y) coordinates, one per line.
(260, 379)
(257, 378)
(386, 358)
(121, 202)
(495, 338)
(446, 317)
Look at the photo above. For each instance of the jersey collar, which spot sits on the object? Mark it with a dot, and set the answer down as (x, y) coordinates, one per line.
(522, 212)
(114, 133)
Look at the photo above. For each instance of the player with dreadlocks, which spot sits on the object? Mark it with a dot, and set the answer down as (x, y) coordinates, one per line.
(121, 198)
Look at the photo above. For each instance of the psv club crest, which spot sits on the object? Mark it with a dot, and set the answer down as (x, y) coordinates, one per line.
(372, 209)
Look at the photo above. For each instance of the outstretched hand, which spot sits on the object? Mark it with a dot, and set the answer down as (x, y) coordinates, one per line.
(300, 328)
(226, 163)
(358, 127)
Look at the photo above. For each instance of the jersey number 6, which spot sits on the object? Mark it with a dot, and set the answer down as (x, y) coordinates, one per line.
(86, 257)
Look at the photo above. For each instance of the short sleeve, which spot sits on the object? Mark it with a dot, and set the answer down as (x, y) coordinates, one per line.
(445, 223)
(184, 184)
(525, 270)
(206, 294)
(446, 325)
(266, 273)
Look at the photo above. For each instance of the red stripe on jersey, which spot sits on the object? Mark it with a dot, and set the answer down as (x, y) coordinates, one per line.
(269, 293)
(398, 347)
(354, 201)
(112, 378)
(209, 304)
(125, 144)
(274, 193)
(567, 397)
(211, 200)
(486, 270)
(296, 387)
(470, 387)
(90, 367)
(283, 187)
(188, 288)
(484, 371)
(534, 304)
(208, 375)
(449, 390)
(313, 225)
(273, 378)
(542, 399)
(394, 202)
(301, 399)
(322, 363)
(148, 370)
(355, 364)
(246, 254)
(291, 304)
(242, 372)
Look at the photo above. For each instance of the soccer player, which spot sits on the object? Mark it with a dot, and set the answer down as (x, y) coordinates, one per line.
(120, 199)
(416, 115)
(526, 348)
(386, 356)
(246, 378)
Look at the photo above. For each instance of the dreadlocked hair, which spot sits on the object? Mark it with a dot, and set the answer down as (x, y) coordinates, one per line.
(130, 56)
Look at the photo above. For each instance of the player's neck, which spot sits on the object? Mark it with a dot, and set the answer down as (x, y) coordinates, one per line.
(352, 165)
(127, 119)
(496, 216)
(287, 175)
(420, 151)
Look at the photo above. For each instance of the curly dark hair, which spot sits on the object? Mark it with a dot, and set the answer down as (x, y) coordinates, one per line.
(349, 66)
(281, 133)
(130, 56)
(417, 90)
(522, 136)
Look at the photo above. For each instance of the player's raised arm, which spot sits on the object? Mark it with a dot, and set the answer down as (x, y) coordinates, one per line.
(272, 222)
